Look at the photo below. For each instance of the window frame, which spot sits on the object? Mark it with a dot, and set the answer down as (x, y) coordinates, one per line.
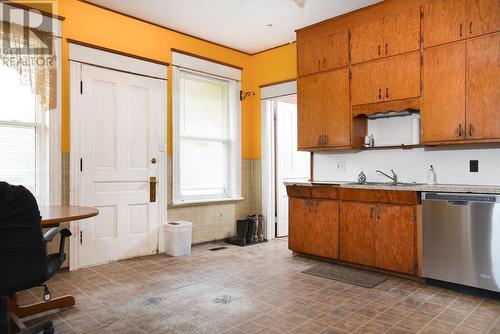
(233, 190)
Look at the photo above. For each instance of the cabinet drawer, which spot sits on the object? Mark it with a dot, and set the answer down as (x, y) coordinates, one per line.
(379, 196)
(327, 192)
(298, 191)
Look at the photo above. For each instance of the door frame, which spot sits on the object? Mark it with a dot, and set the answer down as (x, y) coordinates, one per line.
(268, 93)
(82, 55)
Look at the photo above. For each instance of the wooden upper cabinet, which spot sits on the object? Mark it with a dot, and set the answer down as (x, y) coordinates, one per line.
(483, 87)
(392, 35)
(443, 102)
(357, 233)
(402, 77)
(306, 57)
(310, 90)
(336, 116)
(395, 242)
(323, 53)
(444, 21)
(389, 79)
(402, 32)
(366, 41)
(483, 16)
(367, 82)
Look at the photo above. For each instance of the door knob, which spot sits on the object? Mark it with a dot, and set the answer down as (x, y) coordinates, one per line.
(153, 160)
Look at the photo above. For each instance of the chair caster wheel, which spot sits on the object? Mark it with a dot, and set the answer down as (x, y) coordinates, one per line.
(49, 330)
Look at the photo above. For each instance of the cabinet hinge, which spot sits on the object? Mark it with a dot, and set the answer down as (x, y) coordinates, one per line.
(350, 75)
(81, 87)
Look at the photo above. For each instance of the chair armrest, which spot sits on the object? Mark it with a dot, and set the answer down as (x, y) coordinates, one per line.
(50, 235)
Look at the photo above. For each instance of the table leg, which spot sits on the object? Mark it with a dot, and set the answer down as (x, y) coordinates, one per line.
(29, 310)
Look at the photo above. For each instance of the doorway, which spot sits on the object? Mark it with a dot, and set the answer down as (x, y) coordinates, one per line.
(281, 161)
(118, 163)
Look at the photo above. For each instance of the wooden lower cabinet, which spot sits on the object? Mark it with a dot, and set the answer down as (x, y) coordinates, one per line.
(313, 227)
(395, 238)
(378, 235)
(357, 233)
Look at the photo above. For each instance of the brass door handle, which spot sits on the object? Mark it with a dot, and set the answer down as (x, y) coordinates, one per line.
(386, 48)
(387, 92)
(152, 188)
(460, 130)
(470, 27)
(470, 130)
(380, 93)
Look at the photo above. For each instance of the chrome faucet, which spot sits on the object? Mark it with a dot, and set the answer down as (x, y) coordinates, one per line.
(394, 176)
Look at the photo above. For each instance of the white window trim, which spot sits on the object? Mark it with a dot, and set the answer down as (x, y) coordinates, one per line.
(235, 148)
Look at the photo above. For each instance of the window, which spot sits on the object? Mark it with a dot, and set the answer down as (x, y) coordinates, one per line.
(21, 133)
(206, 142)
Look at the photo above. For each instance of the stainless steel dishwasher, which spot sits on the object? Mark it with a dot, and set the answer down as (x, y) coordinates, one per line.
(461, 239)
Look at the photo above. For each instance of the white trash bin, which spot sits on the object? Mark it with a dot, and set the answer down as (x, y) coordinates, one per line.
(178, 236)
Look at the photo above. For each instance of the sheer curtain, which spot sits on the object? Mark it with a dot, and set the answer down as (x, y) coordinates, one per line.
(31, 53)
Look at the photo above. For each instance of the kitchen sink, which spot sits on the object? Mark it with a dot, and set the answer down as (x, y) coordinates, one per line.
(388, 184)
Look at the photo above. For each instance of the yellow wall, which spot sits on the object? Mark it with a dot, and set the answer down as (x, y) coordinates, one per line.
(101, 27)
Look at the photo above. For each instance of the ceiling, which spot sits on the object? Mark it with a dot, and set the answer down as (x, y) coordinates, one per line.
(239, 24)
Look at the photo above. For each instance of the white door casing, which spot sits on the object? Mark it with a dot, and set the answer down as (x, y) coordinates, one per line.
(290, 163)
(121, 124)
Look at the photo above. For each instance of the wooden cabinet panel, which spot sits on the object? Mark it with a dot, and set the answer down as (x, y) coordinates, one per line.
(357, 233)
(395, 242)
(336, 118)
(334, 50)
(402, 32)
(483, 16)
(443, 102)
(298, 236)
(323, 53)
(313, 227)
(444, 21)
(367, 82)
(324, 229)
(366, 41)
(310, 107)
(306, 57)
(402, 77)
(483, 87)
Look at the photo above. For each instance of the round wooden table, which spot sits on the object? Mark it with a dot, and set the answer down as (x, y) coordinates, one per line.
(53, 216)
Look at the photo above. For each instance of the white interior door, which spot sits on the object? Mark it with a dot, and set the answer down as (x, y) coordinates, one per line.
(120, 127)
(290, 163)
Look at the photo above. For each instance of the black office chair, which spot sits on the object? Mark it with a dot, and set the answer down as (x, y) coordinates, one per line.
(24, 262)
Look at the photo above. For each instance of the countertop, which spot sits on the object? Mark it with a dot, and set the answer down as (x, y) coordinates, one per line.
(450, 188)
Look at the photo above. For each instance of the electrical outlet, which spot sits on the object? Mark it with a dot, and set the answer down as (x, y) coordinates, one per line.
(474, 166)
(340, 166)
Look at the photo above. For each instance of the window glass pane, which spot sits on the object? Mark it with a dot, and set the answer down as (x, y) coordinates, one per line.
(18, 163)
(18, 102)
(204, 106)
(203, 167)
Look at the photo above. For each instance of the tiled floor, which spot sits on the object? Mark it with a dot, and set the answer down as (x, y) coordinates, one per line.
(257, 289)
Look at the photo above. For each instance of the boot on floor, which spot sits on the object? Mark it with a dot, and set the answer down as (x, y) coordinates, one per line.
(241, 232)
(260, 228)
(255, 237)
(252, 228)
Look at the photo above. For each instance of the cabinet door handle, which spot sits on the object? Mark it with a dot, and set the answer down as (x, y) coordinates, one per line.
(470, 130)
(319, 64)
(461, 29)
(324, 62)
(387, 92)
(378, 213)
(470, 27)
(378, 49)
(318, 141)
(380, 93)
(460, 130)
(325, 140)
(386, 48)
(371, 213)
